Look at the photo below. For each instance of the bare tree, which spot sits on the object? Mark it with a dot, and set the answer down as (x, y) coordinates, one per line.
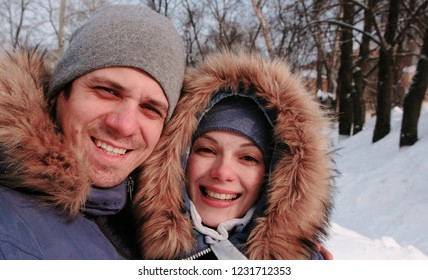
(318, 37)
(327, 43)
(294, 32)
(413, 99)
(361, 65)
(14, 14)
(192, 32)
(57, 24)
(227, 32)
(61, 38)
(385, 76)
(332, 63)
(257, 6)
(388, 44)
(345, 88)
(160, 6)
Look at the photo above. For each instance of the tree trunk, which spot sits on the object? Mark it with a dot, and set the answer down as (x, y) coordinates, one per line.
(191, 29)
(257, 6)
(61, 38)
(319, 45)
(358, 104)
(413, 99)
(359, 83)
(344, 88)
(385, 75)
(332, 66)
(15, 35)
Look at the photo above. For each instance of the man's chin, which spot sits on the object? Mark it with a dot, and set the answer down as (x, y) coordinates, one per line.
(107, 181)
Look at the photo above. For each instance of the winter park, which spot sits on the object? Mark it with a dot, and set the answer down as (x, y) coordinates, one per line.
(382, 197)
(364, 61)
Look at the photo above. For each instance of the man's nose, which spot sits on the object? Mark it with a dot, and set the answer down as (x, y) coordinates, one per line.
(123, 119)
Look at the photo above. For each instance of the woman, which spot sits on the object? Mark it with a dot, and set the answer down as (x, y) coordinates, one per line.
(291, 214)
(226, 168)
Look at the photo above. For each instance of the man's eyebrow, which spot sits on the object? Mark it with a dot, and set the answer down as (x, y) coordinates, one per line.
(158, 104)
(119, 87)
(105, 80)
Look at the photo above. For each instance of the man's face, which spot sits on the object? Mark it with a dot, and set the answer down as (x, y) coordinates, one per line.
(114, 116)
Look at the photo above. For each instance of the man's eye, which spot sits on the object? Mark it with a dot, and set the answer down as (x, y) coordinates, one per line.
(151, 109)
(106, 90)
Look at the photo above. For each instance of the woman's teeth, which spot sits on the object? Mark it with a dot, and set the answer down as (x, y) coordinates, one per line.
(220, 196)
(110, 150)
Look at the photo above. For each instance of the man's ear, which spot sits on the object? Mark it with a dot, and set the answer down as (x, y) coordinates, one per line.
(52, 107)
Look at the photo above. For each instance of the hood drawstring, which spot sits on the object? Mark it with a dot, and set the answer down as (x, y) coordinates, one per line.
(218, 239)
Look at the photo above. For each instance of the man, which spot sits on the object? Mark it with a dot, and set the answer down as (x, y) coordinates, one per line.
(71, 143)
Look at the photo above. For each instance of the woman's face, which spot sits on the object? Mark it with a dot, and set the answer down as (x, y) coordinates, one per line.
(225, 172)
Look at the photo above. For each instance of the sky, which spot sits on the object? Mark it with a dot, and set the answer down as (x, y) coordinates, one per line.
(381, 202)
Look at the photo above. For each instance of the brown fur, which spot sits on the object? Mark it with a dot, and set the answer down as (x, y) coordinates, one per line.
(300, 196)
(38, 159)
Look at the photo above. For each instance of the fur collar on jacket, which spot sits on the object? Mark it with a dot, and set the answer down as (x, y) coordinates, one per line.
(300, 195)
(35, 158)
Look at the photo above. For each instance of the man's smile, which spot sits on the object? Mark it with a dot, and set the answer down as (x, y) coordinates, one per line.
(109, 149)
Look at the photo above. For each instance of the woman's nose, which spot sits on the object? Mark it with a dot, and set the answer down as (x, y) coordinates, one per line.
(223, 170)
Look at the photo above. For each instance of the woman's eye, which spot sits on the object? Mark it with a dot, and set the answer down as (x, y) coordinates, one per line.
(205, 150)
(250, 159)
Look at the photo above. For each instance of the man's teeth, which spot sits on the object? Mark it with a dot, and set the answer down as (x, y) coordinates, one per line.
(221, 196)
(110, 150)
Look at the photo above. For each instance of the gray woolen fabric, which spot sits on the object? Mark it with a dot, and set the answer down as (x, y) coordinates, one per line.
(125, 35)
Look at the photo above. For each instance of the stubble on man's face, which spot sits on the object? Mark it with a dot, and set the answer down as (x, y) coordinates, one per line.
(111, 121)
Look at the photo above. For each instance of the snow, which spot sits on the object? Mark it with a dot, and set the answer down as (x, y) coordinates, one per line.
(380, 214)
(323, 96)
(381, 203)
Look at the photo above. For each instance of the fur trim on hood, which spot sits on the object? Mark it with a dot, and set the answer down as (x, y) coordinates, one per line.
(300, 191)
(33, 156)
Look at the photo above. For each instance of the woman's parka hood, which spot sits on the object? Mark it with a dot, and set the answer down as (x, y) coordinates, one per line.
(33, 156)
(299, 195)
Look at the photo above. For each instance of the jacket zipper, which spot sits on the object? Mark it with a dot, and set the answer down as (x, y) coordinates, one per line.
(130, 187)
(199, 254)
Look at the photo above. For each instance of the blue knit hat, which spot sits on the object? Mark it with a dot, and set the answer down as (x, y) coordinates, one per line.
(242, 116)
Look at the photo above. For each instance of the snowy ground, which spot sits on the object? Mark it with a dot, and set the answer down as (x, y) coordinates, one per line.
(381, 206)
(380, 214)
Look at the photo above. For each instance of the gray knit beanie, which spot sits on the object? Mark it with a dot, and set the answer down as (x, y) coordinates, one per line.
(125, 35)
